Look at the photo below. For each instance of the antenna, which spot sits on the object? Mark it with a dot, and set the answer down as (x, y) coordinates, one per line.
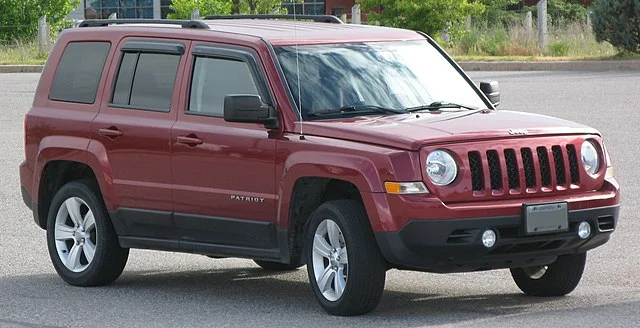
(295, 33)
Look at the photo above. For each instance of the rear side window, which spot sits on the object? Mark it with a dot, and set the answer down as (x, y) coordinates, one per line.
(213, 79)
(145, 80)
(79, 71)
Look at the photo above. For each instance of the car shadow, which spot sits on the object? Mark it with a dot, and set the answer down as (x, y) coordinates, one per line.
(272, 296)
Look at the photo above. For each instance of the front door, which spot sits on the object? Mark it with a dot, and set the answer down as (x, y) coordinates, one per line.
(223, 173)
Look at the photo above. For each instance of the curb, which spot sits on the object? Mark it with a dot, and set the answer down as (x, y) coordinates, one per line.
(578, 65)
(21, 68)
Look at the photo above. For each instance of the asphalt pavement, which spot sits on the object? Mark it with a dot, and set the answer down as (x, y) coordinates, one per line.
(161, 289)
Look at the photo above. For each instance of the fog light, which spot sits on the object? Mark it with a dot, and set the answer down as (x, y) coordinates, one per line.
(488, 238)
(584, 230)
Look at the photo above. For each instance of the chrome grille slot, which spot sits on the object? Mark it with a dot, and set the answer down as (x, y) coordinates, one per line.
(512, 168)
(494, 169)
(573, 164)
(558, 160)
(545, 168)
(477, 174)
(529, 167)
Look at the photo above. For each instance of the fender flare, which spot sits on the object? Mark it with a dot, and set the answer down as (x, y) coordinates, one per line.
(357, 170)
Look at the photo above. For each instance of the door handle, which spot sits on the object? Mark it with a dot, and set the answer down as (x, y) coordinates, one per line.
(191, 140)
(111, 132)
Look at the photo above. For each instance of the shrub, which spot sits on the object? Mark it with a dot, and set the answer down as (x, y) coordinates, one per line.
(617, 21)
(558, 49)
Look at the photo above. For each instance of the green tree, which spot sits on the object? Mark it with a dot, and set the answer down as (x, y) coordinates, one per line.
(261, 7)
(566, 11)
(497, 13)
(182, 9)
(429, 16)
(618, 22)
(21, 16)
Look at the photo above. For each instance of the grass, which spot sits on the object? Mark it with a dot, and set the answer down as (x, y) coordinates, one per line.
(571, 42)
(21, 53)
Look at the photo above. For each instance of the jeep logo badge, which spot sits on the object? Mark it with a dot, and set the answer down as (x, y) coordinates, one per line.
(518, 132)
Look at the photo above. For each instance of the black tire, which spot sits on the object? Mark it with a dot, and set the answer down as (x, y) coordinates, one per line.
(561, 277)
(366, 268)
(277, 266)
(109, 258)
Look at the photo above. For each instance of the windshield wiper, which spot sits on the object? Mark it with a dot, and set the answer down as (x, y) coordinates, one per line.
(358, 109)
(438, 105)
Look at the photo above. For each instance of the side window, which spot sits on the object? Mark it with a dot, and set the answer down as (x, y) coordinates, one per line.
(79, 72)
(215, 78)
(145, 80)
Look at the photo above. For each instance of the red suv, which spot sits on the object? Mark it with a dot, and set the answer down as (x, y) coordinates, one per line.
(351, 149)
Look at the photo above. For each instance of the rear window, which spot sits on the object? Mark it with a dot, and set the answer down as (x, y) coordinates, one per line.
(79, 72)
(146, 80)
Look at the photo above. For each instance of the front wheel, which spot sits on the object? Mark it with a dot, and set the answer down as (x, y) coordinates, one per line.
(345, 267)
(556, 279)
(83, 245)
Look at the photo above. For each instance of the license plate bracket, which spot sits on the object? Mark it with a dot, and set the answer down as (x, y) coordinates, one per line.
(546, 218)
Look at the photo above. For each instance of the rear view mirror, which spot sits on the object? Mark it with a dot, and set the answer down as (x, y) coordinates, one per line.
(249, 109)
(491, 89)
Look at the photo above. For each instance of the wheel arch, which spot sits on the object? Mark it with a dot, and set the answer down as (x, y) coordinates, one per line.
(54, 175)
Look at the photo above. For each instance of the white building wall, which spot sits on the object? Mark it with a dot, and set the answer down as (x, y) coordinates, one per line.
(156, 9)
(78, 13)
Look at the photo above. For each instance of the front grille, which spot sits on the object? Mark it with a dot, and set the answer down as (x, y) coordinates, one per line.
(520, 168)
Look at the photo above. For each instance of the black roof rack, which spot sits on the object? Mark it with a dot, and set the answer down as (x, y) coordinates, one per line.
(315, 18)
(184, 23)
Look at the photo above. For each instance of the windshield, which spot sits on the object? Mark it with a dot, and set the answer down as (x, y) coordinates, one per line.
(387, 75)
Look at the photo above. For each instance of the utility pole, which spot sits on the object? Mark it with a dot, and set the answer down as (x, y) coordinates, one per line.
(542, 24)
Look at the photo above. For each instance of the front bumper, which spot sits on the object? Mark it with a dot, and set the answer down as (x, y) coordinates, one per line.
(454, 245)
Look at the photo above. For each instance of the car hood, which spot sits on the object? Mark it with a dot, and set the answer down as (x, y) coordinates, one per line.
(412, 131)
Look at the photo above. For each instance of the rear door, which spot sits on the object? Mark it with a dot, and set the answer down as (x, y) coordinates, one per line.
(223, 173)
(134, 127)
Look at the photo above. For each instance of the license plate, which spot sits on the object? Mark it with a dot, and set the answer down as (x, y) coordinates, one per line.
(546, 218)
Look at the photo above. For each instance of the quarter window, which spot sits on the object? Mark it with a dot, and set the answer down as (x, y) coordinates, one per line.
(146, 80)
(215, 78)
(79, 72)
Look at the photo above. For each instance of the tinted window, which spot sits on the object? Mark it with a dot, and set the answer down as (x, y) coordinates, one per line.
(79, 72)
(146, 80)
(213, 79)
(125, 77)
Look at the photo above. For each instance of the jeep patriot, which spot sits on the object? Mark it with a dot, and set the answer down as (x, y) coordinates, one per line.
(349, 149)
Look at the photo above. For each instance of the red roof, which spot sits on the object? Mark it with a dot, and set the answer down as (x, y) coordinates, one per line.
(283, 32)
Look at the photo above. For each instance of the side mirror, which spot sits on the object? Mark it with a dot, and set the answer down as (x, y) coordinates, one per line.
(491, 89)
(249, 109)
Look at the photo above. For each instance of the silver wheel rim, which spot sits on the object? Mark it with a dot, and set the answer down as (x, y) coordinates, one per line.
(75, 234)
(330, 261)
(535, 272)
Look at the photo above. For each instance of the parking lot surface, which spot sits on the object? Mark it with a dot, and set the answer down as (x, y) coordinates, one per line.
(161, 289)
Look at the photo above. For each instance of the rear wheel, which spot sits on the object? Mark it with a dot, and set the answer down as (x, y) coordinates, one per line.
(556, 279)
(344, 264)
(82, 243)
(277, 266)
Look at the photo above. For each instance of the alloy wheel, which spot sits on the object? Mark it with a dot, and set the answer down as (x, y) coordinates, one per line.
(330, 260)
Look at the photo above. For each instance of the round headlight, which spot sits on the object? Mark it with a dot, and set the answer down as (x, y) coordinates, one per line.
(590, 158)
(441, 168)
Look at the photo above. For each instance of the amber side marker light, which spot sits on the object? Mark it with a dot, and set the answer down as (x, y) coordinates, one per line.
(405, 188)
